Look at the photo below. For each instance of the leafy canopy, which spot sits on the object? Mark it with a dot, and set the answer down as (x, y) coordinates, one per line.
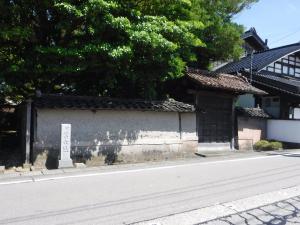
(221, 36)
(123, 48)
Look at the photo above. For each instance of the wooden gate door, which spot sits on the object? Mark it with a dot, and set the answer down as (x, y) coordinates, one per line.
(214, 118)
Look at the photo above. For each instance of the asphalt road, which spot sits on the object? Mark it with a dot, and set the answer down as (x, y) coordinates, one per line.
(141, 194)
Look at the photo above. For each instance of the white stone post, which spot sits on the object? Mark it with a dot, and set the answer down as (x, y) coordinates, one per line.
(27, 131)
(65, 147)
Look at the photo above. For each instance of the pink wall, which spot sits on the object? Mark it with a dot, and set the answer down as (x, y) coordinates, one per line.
(250, 131)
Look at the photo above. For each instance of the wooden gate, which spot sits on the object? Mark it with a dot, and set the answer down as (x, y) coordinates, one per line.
(214, 118)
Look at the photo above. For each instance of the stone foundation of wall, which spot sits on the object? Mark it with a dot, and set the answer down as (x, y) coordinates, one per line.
(43, 157)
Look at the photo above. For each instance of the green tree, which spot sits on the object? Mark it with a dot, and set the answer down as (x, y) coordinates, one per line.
(221, 35)
(118, 48)
(92, 47)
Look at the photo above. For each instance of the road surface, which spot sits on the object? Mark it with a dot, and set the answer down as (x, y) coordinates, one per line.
(131, 196)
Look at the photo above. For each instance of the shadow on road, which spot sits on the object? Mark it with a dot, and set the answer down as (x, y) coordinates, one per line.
(279, 213)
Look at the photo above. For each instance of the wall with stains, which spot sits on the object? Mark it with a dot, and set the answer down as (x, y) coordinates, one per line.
(109, 136)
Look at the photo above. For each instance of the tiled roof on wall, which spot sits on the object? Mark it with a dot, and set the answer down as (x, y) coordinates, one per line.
(227, 82)
(260, 59)
(252, 112)
(98, 103)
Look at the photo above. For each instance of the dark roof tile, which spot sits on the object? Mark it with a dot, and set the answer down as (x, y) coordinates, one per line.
(275, 81)
(260, 59)
(86, 102)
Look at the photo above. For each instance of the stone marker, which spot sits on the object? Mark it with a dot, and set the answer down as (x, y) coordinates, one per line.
(2, 169)
(65, 147)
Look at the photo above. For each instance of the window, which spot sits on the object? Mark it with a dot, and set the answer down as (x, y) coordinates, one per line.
(277, 65)
(275, 99)
(292, 58)
(285, 60)
(297, 72)
(292, 71)
(285, 69)
(277, 70)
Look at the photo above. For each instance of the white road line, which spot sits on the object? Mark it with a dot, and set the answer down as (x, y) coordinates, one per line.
(16, 182)
(33, 179)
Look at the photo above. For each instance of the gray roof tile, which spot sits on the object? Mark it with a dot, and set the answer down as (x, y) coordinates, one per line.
(227, 82)
(252, 112)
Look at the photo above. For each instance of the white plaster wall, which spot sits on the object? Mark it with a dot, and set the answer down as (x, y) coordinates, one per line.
(188, 126)
(296, 113)
(284, 130)
(113, 127)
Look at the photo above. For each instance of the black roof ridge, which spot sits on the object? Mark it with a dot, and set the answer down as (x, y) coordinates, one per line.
(266, 72)
(277, 88)
(276, 48)
(109, 98)
(277, 83)
(109, 103)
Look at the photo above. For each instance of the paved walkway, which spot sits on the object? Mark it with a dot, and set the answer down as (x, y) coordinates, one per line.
(277, 207)
(282, 212)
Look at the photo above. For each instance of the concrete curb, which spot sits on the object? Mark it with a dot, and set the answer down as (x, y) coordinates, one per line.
(224, 209)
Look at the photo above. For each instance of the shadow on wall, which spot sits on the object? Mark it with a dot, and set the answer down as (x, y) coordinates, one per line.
(104, 146)
(103, 149)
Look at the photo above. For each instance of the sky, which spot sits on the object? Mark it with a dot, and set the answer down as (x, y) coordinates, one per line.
(275, 20)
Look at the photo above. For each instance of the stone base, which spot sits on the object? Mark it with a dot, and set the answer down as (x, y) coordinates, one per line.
(226, 146)
(65, 163)
(79, 165)
(26, 165)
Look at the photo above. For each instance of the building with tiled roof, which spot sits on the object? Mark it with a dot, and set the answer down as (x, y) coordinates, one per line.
(276, 71)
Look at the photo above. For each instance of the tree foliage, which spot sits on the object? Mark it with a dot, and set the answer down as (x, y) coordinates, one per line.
(221, 36)
(123, 48)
